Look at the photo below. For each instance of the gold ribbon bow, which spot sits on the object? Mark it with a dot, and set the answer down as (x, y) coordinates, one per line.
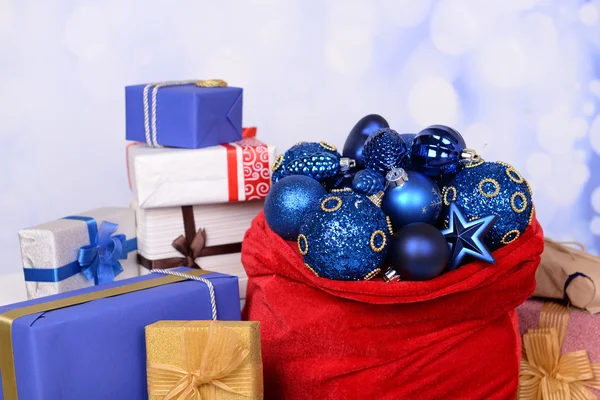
(546, 374)
(213, 358)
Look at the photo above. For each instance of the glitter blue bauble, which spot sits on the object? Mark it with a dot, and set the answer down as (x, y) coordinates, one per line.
(384, 150)
(436, 151)
(288, 201)
(411, 197)
(368, 182)
(492, 188)
(418, 252)
(353, 148)
(345, 239)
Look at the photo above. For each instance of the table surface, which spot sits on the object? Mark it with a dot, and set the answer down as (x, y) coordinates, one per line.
(12, 288)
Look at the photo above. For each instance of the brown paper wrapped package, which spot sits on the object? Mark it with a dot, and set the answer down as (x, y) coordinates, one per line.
(204, 360)
(563, 266)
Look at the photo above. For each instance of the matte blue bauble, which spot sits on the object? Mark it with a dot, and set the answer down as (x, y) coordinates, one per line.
(384, 149)
(368, 182)
(418, 252)
(492, 188)
(436, 151)
(288, 201)
(345, 239)
(353, 148)
(411, 197)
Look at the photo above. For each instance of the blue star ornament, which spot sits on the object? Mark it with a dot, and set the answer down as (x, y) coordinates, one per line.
(465, 237)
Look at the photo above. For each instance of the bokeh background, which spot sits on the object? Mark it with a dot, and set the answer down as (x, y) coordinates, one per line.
(519, 78)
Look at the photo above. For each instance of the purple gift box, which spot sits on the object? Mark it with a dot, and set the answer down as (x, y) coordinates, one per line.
(186, 115)
(94, 349)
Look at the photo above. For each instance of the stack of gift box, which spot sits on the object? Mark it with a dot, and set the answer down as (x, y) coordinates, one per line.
(198, 179)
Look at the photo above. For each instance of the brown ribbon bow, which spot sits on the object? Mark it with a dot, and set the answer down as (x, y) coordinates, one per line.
(190, 246)
(546, 374)
(213, 358)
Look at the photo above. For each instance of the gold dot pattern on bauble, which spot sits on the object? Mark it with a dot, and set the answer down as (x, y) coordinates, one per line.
(277, 163)
(510, 236)
(374, 236)
(372, 274)
(531, 215)
(389, 224)
(515, 198)
(302, 244)
(328, 146)
(486, 184)
(513, 174)
(311, 270)
(327, 206)
(447, 190)
(341, 190)
(474, 163)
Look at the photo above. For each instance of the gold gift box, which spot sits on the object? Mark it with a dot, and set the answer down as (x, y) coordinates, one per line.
(204, 360)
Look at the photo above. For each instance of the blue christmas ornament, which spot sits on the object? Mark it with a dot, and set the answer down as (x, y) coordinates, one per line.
(320, 161)
(437, 151)
(417, 252)
(353, 148)
(345, 239)
(411, 197)
(384, 150)
(368, 181)
(491, 188)
(408, 139)
(308, 148)
(287, 203)
(340, 182)
(466, 237)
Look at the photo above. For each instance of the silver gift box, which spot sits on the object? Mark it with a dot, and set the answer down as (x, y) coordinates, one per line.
(57, 243)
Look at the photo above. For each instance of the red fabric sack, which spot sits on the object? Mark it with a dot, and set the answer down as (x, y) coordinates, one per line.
(454, 337)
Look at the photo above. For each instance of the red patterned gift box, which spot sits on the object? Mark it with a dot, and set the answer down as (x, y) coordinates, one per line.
(167, 177)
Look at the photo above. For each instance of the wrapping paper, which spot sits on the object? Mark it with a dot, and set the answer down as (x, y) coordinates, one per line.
(57, 243)
(187, 116)
(453, 337)
(169, 177)
(582, 330)
(223, 224)
(89, 343)
(173, 343)
(568, 272)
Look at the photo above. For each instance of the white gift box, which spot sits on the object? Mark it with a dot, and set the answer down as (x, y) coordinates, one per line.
(224, 225)
(167, 177)
(50, 252)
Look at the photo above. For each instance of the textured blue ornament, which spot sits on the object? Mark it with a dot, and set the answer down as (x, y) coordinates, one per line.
(418, 252)
(384, 149)
(320, 161)
(308, 148)
(353, 148)
(436, 151)
(345, 239)
(411, 197)
(368, 182)
(466, 237)
(492, 188)
(288, 201)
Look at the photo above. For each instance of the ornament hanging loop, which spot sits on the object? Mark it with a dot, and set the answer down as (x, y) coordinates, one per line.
(396, 177)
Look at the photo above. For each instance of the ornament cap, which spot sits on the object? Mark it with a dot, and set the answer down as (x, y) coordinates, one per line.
(470, 155)
(396, 177)
(347, 163)
(391, 275)
(376, 198)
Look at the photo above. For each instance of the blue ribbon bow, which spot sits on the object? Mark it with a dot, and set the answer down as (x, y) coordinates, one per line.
(98, 261)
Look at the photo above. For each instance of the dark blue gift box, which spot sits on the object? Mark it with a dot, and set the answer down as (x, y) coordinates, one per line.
(96, 349)
(187, 116)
